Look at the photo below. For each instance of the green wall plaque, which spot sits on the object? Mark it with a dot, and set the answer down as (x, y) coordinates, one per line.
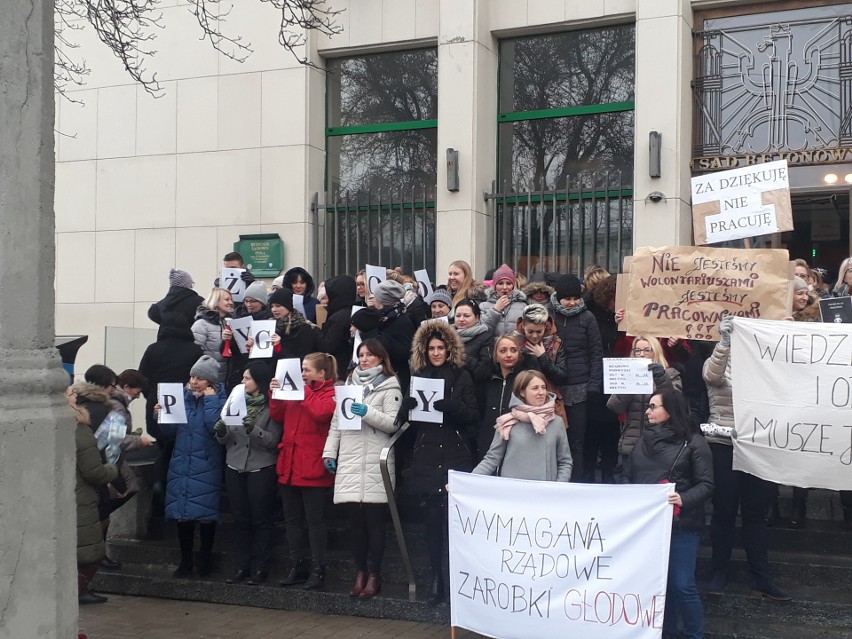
(263, 253)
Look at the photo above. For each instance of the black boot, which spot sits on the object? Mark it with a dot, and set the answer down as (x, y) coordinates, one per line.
(186, 538)
(298, 573)
(316, 580)
(800, 506)
(205, 557)
(436, 589)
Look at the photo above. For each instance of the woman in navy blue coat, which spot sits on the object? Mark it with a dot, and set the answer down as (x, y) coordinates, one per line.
(196, 467)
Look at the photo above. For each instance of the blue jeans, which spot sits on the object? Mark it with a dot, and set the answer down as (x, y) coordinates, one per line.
(682, 597)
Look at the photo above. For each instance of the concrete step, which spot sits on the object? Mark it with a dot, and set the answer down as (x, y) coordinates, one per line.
(727, 628)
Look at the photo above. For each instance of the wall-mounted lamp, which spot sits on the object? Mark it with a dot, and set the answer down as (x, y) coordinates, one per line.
(452, 170)
(656, 196)
(655, 142)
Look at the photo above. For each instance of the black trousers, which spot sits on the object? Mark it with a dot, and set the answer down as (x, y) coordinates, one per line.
(367, 529)
(576, 437)
(304, 507)
(735, 490)
(252, 498)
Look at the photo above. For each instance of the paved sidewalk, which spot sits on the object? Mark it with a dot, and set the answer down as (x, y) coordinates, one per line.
(146, 618)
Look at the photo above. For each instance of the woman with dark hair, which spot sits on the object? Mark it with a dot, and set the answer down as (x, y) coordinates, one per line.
(353, 455)
(341, 298)
(672, 450)
(437, 353)
(476, 338)
(300, 282)
(250, 479)
(530, 440)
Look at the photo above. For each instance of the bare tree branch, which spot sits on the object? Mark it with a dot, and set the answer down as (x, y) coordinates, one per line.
(210, 16)
(299, 16)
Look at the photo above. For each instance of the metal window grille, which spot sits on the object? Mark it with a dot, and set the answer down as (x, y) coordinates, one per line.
(587, 221)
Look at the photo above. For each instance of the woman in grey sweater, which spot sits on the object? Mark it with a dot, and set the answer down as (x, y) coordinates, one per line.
(530, 441)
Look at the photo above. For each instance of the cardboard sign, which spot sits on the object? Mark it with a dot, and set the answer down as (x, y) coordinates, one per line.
(521, 566)
(231, 279)
(426, 391)
(836, 310)
(741, 203)
(375, 275)
(792, 398)
(299, 303)
(288, 372)
(235, 406)
(346, 396)
(262, 332)
(627, 375)
(172, 407)
(685, 291)
(424, 284)
(322, 314)
(241, 328)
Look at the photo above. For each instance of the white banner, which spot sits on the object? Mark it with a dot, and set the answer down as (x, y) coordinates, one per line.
(235, 406)
(375, 275)
(426, 391)
(792, 398)
(230, 279)
(241, 328)
(172, 408)
(520, 568)
(628, 375)
(346, 396)
(288, 372)
(262, 332)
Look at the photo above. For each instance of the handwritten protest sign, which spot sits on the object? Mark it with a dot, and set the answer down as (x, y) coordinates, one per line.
(685, 291)
(346, 396)
(172, 408)
(792, 396)
(288, 372)
(744, 202)
(230, 278)
(426, 391)
(628, 375)
(520, 568)
(235, 406)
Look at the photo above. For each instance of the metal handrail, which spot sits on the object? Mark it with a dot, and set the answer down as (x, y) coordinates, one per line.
(397, 525)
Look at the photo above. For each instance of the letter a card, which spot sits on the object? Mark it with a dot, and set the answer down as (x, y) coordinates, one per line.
(288, 372)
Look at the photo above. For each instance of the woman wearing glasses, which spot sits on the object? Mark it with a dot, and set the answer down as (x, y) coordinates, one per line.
(632, 407)
(672, 450)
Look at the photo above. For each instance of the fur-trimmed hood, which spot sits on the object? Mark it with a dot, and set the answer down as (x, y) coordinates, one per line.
(811, 312)
(420, 345)
(92, 392)
(530, 289)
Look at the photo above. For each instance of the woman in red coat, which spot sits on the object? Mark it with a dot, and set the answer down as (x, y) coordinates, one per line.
(303, 481)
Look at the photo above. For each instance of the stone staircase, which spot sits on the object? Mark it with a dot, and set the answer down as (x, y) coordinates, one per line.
(813, 564)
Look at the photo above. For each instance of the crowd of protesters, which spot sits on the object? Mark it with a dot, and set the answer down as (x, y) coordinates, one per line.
(521, 364)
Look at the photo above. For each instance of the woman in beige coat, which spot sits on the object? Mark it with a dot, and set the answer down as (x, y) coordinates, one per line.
(354, 456)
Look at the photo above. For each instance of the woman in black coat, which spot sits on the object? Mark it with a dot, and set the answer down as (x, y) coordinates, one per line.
(496, 392)
(673, 450)
(476, 338)
(294, 335)
(255, 304)
(341, 299)
(437, 353)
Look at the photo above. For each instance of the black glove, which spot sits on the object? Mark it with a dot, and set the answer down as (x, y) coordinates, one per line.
(657, 370)
(447, 405)
(247, 277)
(409, 403)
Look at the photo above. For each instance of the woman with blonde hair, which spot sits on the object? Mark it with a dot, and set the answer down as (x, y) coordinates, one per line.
(633, 406)
(211, 321)
(461, 285)
(844, 279)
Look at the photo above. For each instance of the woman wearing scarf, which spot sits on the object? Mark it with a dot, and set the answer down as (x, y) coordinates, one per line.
(395, 329)
(672, 450)
(504, 303)
(437, 353)
(581, 340)
(250, 453)
(354, 456)
(476, 338)
(530, 441)
(294, 335)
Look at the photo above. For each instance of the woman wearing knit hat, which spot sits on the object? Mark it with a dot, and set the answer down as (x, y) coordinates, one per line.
(395, 328)
(440, 303)
(504, 303)
(178, 307)
(195, 470)
(294, 335)
(581, 340)
(255, 304)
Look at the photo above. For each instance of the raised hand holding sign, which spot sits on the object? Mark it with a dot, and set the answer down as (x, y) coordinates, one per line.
(231, 279)
(347, 396)
(170, 399)
(426, 392)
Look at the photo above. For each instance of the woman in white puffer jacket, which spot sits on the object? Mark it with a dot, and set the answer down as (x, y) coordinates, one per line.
(354, 456)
